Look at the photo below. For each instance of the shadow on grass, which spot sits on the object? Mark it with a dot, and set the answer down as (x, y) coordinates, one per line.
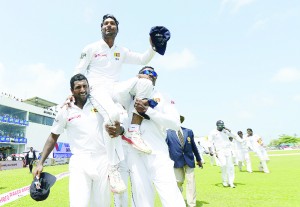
(2, 188)
(220, 185)
(200, 203)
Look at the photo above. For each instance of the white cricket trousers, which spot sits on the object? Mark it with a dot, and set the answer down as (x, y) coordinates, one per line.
(122, 200)
(243, 155)
(88, 183)
(149, 171)
(104, 97)
(227, 167)
(263, 156)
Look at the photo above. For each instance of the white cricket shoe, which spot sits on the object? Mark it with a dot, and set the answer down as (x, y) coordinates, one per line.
(134, 138)
(225, 184)
(116, 183)
(232, 185)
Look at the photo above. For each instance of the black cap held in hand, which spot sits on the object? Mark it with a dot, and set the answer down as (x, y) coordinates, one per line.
(46, 182)
(159, 37)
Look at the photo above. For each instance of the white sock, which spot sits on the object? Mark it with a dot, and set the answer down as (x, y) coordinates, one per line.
(134, 127)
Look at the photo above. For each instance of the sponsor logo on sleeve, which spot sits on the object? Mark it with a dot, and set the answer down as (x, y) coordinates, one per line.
(74, 117)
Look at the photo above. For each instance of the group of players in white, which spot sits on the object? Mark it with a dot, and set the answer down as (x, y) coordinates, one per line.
(228, 149)
(103, 141)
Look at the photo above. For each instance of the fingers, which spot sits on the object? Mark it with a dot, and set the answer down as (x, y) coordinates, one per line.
(112, 130)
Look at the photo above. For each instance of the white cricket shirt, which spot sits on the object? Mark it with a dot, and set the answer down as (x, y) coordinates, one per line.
(102, 64)
(84, 128)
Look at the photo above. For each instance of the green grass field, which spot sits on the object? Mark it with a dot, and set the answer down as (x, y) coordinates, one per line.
(280, 188)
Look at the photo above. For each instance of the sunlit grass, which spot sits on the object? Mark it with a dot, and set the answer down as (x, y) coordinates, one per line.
(279, 188)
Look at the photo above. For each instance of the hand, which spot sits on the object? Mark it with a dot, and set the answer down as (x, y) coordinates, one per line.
(199, 163)
(37, 171)
(227, 129)
(141, 105)
(151, 43)
(114, 130)
(69, 101)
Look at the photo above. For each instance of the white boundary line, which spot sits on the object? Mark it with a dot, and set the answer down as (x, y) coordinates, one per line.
(24, 191)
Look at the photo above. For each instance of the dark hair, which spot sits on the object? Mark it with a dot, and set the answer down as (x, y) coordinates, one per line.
(249, 129)
(145, 68)
(106, 16)
(239, 132)
(77, 77)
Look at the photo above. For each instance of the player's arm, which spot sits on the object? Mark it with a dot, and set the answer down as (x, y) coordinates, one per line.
(84, 61)
(210, 145)
(48, 147)
(58, 127)
(167, 118)
(138, 58)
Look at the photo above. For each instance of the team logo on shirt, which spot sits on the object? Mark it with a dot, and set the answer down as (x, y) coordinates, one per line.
(189, 140)
(94, 110)
(172, 102)
(83, 55)
(117, 55)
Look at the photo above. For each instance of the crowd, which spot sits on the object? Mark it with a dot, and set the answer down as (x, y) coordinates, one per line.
(14, 119)
(129, 129)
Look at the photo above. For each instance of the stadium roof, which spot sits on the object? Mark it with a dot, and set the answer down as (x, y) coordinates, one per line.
(39, 102)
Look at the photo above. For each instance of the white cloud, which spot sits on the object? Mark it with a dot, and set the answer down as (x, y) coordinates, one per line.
(288, 74)
(36, 80)
(177, 61)
(235, 5)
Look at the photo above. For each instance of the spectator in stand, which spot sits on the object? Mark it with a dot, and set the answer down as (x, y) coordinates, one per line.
(30, 158)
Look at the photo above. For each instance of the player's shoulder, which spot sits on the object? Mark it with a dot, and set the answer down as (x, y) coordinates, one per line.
(163, 97)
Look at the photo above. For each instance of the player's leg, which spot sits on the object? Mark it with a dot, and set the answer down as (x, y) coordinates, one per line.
(222, 163)
(248, 162)
(100, 195)
(230, 170)
(121, 200)
(79, 183)
(164, 180)
(135, 88)
(143, 192)
(104, 104)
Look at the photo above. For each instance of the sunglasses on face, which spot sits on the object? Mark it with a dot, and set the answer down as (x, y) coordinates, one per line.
(149, 72)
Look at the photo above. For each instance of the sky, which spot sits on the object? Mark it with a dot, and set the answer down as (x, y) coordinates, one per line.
(231, 60)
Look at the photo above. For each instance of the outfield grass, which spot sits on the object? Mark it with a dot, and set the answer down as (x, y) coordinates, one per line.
(280, 188)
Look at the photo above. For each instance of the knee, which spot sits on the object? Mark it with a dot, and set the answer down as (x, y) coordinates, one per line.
(144, 82)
